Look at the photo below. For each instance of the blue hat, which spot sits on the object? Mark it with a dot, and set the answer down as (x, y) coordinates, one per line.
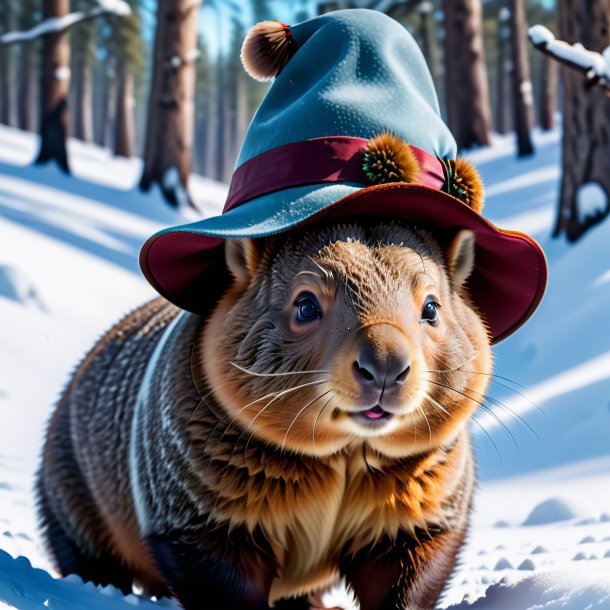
(350, 127)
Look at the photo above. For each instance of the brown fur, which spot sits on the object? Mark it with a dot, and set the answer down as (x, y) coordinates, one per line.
(207, 441)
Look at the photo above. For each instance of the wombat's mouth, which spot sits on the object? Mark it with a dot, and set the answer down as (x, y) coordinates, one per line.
(372, 417)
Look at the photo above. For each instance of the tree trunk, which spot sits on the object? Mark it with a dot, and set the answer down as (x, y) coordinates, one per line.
(523, 100)
(5, 88)
(586, 119)
(427, 34)
(169, 130)
(26, 87)
(54, 86)
(26, 76)
(221, 117)
(82, 99)
(107, 105)
(123, 124)
(503, 109)
(211, 130)
(548, 92)
(467, 93)
(5, 68)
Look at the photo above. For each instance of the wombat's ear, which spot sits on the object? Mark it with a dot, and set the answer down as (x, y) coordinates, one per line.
(243, 258)
(460, 258)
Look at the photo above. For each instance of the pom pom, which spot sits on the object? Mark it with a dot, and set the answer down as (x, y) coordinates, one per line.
(463, 181)
(267, 49)
(387, 158)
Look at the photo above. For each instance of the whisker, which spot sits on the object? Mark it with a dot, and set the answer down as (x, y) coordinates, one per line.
(483, 406)
(504, 406)
(311, 402)
(494, 379)
(318, 417)
(491, 440)
(228, 426)
(279, 395)
(437, 405)
(285, 374)
(524, 396)
(274, 396)
(510, 411)
(419, 407)
(201, 401)
(435, 402)
(457, 368)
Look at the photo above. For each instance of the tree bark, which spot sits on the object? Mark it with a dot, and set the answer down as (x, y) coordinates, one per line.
(107, 105)
(586, 119)
(221, 117)
(467, 92)
(82, 98)
(26, 88)
(54, 86)
(503, 106)
(523, 100)
(427, 33)
(171, 109)
(5, 65)
(26, 83)
(123, 125)
(548, 93)
(5, 98)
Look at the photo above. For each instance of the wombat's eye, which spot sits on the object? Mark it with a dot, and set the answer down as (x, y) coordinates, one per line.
(308, 308)
(430, 311)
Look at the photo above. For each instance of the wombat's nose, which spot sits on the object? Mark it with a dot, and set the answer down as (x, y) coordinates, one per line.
(383, 361)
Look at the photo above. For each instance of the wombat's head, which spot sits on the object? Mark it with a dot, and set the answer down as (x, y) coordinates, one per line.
(349, 334)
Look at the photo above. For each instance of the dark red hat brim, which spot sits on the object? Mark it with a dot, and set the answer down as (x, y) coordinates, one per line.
(186, 264)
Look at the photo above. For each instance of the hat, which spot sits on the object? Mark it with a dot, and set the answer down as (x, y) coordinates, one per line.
(350, 127)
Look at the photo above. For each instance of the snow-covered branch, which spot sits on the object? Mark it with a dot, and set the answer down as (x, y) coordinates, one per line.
(56, 25)
(595, 66)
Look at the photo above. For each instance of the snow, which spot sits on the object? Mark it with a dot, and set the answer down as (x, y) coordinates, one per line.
(559, 509)
(118, 7)
(62, 73)
(540, 34)
(59, 24)
(591, 200)
(540, 534)
(425, 8)
(574, 54)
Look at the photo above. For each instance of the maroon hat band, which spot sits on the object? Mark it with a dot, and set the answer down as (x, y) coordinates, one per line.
(316, 161)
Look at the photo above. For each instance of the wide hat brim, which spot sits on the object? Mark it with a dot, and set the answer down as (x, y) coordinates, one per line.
(186, 263)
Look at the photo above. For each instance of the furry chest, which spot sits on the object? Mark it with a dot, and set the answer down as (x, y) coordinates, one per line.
(316, 515)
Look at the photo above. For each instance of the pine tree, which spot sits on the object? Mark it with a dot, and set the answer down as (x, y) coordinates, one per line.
(27, 68)
(169, 128)
(466, 88)
(234, 101)
(127, 50)
(203, 150)
(54, 85)
(586, 119)
(523, 99)
(6, 22)
(82, 46)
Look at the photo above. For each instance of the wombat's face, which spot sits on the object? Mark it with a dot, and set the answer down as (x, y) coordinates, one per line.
(349, 335)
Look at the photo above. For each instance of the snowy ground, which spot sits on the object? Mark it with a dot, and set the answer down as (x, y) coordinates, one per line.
(540, 534)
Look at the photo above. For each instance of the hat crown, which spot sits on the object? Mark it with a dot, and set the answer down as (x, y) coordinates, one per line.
(354, 73)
